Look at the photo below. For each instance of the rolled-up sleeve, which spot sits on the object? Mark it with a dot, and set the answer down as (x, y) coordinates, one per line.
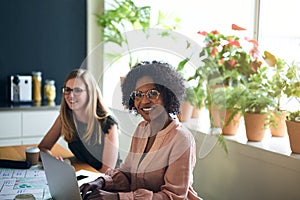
(116, 180)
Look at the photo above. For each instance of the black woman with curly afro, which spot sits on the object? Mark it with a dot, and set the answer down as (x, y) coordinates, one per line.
(167, 80)
(162, 155)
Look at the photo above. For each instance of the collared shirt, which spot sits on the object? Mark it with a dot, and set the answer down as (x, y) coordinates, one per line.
(165, 172)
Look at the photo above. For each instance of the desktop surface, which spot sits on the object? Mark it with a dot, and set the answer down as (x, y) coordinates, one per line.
(33, 180)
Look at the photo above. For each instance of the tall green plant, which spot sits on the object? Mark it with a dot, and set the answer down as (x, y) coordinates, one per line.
(229, 98)
(282, 75)
(122, 16)
(257, 98)
(125, 16)
(199, 87)
(293, 90)
(285, 81)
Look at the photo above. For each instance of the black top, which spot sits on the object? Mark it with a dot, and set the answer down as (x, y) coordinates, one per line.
(89, 152)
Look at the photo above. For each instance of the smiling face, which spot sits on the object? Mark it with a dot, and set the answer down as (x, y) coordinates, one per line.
(148, 108)
(77, 99)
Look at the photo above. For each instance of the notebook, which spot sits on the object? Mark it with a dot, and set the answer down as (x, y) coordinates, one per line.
(62, 179)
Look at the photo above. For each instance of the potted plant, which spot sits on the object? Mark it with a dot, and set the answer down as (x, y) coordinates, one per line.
(186, 108)
(126, 16)
(197, 87)
(123, 15)
(256, 105)
(278, 82)
(200, 94)
(292, 90)
(293, 128)
(229, 103)
(227, 64)
(227, 59)
(231, 64)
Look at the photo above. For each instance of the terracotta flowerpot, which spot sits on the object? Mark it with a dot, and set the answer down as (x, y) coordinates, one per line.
(197, 112)
(255, 125)
(293, 130)
(217, 117)
(233, 126)
(186, 110)
(280, 129)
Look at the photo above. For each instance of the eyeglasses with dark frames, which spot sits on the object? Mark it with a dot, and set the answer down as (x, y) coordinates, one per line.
(76, 91)
(150, 94)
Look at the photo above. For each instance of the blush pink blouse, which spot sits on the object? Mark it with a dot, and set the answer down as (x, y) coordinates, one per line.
(165, 172)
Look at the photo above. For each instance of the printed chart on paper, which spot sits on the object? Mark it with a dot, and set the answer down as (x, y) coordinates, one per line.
(20, 181)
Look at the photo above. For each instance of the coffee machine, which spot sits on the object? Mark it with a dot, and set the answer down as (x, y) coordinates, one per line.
(20, 88)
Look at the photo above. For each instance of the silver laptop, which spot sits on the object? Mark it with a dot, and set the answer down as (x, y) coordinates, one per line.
(61, 178)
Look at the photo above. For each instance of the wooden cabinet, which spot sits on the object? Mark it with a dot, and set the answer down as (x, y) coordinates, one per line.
(25, 126)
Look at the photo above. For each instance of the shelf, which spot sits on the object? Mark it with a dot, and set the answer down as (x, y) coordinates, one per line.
(279, 145)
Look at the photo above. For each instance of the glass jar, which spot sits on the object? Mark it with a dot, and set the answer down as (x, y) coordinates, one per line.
(50, 90)
(36, 86)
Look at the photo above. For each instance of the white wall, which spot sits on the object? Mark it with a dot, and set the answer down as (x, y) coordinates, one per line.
(247, 172)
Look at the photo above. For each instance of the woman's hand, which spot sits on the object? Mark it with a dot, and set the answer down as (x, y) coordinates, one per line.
(59, 157)
(99, 194)
(91, 186)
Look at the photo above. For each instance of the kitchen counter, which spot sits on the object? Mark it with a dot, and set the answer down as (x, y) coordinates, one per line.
(27, 107)
(25, 124)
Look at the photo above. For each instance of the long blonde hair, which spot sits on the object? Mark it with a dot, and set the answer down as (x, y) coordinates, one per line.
(95, 108)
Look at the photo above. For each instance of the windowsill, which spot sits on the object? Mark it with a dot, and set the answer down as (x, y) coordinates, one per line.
(278, 145)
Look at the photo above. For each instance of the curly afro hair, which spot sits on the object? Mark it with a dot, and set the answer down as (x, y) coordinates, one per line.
(167, 80)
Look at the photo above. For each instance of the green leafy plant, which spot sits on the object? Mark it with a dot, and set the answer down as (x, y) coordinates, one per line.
(126, 16)
(199, 94)
(285, 81)
(280, 81)
(294, 116)
(222, 142)
(122, 16)
(257, 98)
(292, 90)
(229, 98)
(226, 62)
(190, 95)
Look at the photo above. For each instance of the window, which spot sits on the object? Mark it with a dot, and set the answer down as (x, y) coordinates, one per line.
(278, 31)
(272, 27)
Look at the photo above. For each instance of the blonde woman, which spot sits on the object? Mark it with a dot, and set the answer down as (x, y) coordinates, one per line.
(84, 122)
